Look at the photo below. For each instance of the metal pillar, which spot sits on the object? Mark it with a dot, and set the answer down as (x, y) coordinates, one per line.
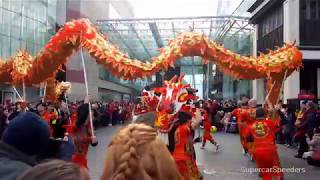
(193, 75)
(207, 81)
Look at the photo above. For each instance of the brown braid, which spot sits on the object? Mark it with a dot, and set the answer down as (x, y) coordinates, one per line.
(128, 140)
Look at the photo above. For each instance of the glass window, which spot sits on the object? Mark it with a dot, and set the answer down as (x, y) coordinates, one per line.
(15, 5)
(23, 45)
(6, 4)
(1, 45)
(29, 29)
(15, 46)
(37, 48)
(5, 46)
(52, 14)
(15, 25)
(1, 17)
(41, 32)
(42, 16)
(30, 48)
(6, 22)
(30, 10)
(35, 30)
(309, 22)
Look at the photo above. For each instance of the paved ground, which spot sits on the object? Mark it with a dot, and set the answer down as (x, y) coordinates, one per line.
(227, 164)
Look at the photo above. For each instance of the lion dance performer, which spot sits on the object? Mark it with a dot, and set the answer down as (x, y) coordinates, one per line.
(81, 135)
(238, 113)
(207, 131)
(262, 135)
(245, 117)
(249, 117)
(184, 151)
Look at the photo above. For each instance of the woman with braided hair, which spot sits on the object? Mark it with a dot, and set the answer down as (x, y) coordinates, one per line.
(137, 153)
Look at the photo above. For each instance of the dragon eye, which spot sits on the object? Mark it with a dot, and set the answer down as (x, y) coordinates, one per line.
(182, 97)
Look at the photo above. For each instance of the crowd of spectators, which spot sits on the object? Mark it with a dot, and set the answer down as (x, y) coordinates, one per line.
(299, 128)
(32, 132)
(112, 113)
(57, 114)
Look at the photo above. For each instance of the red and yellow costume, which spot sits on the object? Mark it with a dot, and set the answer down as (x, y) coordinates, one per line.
(184, 152)
(49, 117)
(250, 117)
(72, 123)
(238, 113)
(245, 117)
(188, 108)
(264, 149)
(207, 128)
(82, 140)
(73, 119)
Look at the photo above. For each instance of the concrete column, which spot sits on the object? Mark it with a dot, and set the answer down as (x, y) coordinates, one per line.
(256, 84)
(292, 86)
(291, 20)
(254, 89)
(258, 90)
(291, 31)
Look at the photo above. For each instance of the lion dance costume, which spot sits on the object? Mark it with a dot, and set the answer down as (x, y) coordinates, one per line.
(184, 152)
(207, 136)
(262, 135)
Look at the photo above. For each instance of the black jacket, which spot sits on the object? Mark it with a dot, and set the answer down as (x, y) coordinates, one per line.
(13, 163)
(309, 122)
(3, 119)
(13, 115)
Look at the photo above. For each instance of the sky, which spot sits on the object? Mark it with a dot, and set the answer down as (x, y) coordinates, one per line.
(179, 8)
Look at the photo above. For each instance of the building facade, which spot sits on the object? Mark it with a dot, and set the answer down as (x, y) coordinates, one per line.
(24, 25)
(289, 21)
(102, 86)
(221, 85)
(30, 24)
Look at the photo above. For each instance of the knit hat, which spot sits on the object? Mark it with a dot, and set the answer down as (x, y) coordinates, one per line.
(27, 133)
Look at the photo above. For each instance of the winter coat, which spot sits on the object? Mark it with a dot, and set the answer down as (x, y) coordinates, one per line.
(289, 126)
(13, 163)
(309, 122)
(3, 123)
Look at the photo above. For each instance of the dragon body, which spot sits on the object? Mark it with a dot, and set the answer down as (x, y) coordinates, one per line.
(78, 34)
